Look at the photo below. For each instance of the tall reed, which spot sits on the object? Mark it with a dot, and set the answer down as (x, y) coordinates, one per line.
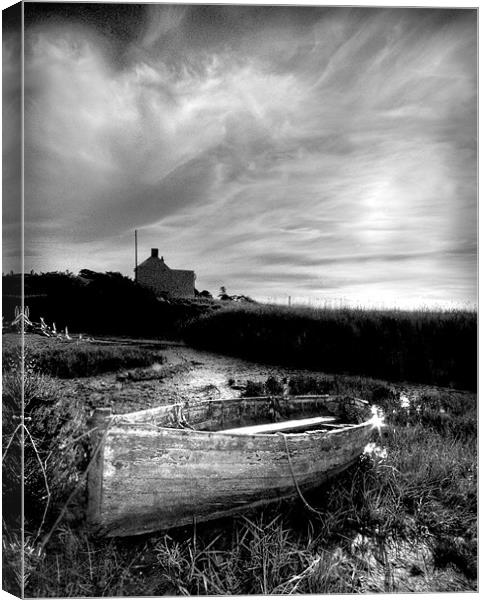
(434, 347)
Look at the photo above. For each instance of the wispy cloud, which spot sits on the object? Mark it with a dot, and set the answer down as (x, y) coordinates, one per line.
(11, 138)
(289, 149)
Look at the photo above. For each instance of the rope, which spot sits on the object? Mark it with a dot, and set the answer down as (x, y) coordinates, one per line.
(180, 418)
(298, 489)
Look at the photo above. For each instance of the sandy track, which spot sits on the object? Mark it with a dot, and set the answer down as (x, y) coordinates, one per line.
(190, 374)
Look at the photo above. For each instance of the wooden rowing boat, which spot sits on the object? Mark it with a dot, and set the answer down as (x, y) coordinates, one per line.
(173, 465)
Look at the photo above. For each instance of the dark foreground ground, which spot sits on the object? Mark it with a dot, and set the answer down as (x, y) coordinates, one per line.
(404, 519)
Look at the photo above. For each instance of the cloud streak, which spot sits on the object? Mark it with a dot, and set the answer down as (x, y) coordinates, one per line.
(337, 146)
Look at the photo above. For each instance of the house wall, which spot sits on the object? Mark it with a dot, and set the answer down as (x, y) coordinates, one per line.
(180, 283)
(163, 280)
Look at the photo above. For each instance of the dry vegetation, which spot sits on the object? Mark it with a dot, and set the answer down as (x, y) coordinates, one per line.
(432, 347)
(80, 359)
(403, 519)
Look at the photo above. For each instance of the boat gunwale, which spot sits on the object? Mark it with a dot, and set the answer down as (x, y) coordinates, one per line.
(117, 420)
(123, 419)
(244, 436)
(194, 403)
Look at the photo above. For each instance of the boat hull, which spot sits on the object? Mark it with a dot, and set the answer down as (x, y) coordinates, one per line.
(148, 478)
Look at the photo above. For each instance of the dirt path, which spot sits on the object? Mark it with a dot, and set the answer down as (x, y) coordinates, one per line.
(187, 374)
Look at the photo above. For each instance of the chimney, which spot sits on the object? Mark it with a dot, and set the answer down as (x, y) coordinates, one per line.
(154, 252)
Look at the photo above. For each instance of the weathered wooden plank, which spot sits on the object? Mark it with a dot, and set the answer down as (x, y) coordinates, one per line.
(294, 425)
(167, 485)
(124, 525)
(98, 424)
(148, 439)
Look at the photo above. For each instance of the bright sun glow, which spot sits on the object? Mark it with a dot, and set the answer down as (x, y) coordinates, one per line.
(377, 420)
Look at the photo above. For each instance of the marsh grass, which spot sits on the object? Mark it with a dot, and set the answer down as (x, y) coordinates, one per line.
(84, 359)
(55, 452)
(402, 519)
(427, 346)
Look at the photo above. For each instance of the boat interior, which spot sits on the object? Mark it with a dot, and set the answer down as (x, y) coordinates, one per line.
(265, 415)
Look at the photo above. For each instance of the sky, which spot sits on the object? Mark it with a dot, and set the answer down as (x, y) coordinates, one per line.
(327, 154)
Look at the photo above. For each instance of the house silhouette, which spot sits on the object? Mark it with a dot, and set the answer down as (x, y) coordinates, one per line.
(155, 274)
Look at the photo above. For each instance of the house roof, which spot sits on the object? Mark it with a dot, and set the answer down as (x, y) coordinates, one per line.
(154, 259)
